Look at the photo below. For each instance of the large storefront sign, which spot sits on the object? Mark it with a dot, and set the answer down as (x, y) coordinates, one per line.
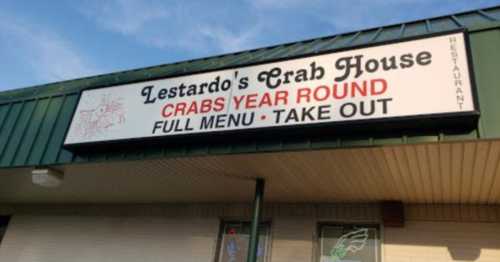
(415, 78)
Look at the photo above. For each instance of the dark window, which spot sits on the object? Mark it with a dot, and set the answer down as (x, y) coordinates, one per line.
(4, 220)
(234, 239)
(349, 243)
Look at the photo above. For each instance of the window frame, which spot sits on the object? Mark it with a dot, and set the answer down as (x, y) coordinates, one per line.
(320, 225)
(220, 236)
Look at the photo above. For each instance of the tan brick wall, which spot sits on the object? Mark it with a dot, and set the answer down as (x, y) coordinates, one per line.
(292, 239)
(106, 239)
(182, 234)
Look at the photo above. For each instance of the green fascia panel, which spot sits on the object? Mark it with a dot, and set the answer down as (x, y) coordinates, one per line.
(269, 146)
(415, 29)
(297, 144)
(176, 151)
(153, 152)
(472, 135)
(115, 155)
(357, 142)
(18, 133)
(33, 121)
(485, 47)
(198, 150)
(388, 33)
(45, 130)
(397, 140)
(415, 139)
(220, 149)
(326, 143)
(366, 36)
(8, 126)
(444, 24)
(55, 143)
(97, 157)
(24, 148)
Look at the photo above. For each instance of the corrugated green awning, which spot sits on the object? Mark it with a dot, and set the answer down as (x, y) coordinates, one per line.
(33, 120)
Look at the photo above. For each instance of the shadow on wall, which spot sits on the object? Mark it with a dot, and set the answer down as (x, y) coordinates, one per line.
(445, 241)
(464, 254)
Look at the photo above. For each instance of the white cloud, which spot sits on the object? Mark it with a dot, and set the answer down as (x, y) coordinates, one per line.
(184, 27)
(279, 4)
(198, 28)
(350, 15)
(342, 15)
(228, 41)
(128, 17)
(48, 55)
(353, 5)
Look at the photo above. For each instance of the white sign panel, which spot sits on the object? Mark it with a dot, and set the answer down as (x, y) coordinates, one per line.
(420, 77)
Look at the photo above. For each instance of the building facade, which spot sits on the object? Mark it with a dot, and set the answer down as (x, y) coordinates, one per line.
(85, 177)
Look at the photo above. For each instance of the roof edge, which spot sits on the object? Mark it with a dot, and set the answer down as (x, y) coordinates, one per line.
(32, 92)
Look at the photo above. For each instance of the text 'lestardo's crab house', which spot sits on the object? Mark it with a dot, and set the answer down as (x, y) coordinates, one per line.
(377, 145)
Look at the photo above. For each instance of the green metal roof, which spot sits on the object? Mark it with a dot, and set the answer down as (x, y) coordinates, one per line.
(33, 120)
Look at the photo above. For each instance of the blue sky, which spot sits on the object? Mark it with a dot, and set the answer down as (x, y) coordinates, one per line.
(48, 41)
